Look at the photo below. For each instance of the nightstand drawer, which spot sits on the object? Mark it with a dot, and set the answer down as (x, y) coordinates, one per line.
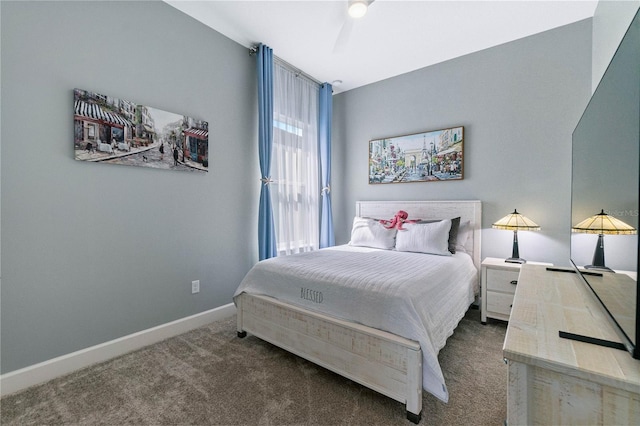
(501, 280)
(499, 302)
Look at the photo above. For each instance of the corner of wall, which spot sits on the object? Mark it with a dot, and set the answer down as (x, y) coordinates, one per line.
(610, 23)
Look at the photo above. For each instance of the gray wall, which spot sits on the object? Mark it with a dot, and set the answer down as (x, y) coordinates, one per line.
(93, 252)
(518, 103)
(610, 22)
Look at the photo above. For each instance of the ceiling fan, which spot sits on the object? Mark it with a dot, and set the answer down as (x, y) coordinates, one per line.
(356, 9)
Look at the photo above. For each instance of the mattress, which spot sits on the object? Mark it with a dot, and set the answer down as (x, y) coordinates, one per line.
(418, 296)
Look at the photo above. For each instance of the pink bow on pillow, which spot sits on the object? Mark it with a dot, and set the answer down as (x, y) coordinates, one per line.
(397, 221)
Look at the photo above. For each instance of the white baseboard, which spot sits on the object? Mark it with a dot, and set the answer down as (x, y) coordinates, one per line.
(38, 373)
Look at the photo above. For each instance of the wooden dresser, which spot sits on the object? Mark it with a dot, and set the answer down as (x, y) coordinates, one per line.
(498, 285)
(557, 381)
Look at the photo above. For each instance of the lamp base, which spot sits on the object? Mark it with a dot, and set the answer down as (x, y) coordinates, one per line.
(598, 256)
(601, 268)
(515, 253)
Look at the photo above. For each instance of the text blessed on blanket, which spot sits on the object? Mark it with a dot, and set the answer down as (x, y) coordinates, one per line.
(311, 295)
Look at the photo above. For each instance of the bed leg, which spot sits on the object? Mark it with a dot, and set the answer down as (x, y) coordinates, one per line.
(241, 333)
(413, 417)
(414, 385)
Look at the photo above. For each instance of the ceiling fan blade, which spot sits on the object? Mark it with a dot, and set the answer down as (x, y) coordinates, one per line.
(343, 36)
(345, 32)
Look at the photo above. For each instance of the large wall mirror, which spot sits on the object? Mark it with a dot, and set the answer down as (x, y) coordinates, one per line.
(605, 187)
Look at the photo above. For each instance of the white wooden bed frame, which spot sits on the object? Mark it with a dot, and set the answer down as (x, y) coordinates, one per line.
(384, 362)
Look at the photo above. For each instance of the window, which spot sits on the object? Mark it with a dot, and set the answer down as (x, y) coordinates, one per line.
(295, 190)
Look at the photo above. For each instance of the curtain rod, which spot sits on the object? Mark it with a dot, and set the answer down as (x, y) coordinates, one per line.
(299, 73)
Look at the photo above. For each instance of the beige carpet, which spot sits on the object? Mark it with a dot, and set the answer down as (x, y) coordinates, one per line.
(210, 377)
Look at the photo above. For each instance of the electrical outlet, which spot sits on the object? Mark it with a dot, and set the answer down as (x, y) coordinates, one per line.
(195, 286)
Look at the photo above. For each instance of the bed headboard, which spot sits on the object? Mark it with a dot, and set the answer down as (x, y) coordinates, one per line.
(468, 210)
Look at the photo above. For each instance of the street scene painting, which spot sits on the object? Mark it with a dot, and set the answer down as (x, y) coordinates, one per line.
(118, 131)
(420, 157)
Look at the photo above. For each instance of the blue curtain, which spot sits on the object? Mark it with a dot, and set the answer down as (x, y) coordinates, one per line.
(266, 231)
(327, 238)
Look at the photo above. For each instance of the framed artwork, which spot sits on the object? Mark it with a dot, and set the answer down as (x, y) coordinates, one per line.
(118, 131)
(421, 157)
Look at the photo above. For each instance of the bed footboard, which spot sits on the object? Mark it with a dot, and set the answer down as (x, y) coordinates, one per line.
(384, 362)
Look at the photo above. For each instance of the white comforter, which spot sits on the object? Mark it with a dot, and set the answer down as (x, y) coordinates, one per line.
(418, 296)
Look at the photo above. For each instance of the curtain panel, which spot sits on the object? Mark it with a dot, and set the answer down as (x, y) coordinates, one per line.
(327, 237)
(295, 190)
(266, 232)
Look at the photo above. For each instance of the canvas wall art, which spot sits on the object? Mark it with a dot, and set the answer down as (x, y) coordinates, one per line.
(421, 157)
(118, 131)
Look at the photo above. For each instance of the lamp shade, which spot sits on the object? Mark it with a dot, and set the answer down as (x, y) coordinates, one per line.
(516, 222)
(602, 223)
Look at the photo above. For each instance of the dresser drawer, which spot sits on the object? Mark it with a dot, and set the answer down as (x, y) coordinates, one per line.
(499, 302)
(501, 280)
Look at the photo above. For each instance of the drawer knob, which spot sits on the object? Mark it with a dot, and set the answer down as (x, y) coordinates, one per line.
(514, 282)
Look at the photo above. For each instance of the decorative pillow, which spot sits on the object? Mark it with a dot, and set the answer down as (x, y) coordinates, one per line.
(367, 232)
(431, 238)
(453, 233)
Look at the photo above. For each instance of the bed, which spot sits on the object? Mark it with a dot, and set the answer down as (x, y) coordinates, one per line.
(367, 313)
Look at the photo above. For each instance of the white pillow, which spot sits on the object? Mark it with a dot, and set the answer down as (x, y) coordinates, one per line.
(431, 238)
(367, 232)
(464, 242)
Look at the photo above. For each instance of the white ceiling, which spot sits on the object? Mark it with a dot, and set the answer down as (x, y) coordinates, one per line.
(393, 38)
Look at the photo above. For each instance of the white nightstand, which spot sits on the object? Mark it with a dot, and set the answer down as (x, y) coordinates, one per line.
(499, 280)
